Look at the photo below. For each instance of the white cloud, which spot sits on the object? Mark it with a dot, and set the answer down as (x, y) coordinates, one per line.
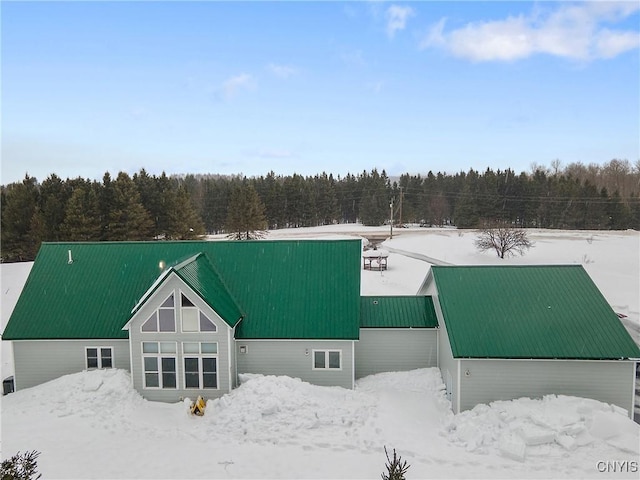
(610, 44)
(397, 17)
(435, 35)
(282, 71)
(575, 31)
(232, 85)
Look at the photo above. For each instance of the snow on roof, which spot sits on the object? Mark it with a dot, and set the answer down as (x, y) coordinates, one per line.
(375, 253)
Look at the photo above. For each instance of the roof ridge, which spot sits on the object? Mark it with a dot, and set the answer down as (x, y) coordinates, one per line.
(529, 265)
(183, 263)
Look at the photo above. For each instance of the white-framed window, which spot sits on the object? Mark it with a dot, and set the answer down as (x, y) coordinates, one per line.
(99, 357)
(193, 319)
(200, 365)
(163, 319)
(327, 360)
(159, 362)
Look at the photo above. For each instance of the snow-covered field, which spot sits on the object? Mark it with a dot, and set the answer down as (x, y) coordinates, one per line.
(94, 425)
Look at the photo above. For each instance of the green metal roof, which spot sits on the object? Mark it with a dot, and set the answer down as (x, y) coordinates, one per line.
(529, 312)
(203, 278)
(198, 272)
(397, 312)
(286, 289)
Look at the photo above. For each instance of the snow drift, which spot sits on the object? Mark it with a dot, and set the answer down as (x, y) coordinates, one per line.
(93, 424)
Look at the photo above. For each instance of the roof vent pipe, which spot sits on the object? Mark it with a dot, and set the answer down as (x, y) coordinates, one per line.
(70, 258)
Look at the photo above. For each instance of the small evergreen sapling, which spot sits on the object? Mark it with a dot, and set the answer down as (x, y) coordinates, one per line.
(396, 467)
(21, 467)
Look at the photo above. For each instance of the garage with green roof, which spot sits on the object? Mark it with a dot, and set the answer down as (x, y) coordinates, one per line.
(528, 331)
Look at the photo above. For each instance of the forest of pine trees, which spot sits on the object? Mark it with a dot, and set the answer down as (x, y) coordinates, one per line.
(147, 207)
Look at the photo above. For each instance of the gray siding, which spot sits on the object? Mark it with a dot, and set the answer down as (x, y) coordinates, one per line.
(489, 380)
(294, 358)
(449, 366)
(395, 350)
(39, 361)
(222, 336)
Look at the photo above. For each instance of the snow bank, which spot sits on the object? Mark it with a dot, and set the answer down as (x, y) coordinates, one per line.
(281, 427)
(99, 394)
(554, 423)
(279, 409)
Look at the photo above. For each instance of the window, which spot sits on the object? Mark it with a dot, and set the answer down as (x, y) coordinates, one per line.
(159, 364)
(327, 359)
(200, 365)
(163, 319)
(193, 320)
(99, 357)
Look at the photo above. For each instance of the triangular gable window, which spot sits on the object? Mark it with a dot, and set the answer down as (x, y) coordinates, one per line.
(163, 319)
(206, 325)
(193, 320)
(168, 303)
(151, 325)
(186, 302)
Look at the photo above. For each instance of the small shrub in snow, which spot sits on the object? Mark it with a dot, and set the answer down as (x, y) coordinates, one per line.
(21, 467)
(396, 467)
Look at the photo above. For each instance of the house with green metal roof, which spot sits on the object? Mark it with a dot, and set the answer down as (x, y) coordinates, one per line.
(527, 331)
(185, 318)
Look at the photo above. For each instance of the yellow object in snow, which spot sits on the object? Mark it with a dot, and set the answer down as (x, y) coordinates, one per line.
(197, 407)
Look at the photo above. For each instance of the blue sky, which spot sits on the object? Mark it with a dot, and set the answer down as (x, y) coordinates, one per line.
(234, 87)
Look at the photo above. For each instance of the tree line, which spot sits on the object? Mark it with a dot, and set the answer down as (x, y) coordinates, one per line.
(145, 207)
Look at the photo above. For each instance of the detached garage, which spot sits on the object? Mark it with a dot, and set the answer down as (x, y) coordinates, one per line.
(528, 331)
(396, 334)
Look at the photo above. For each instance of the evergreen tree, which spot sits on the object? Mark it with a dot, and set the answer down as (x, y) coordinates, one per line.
(374, 205)
(216, 202)
(106, 200)
(273, 197)
(325, 199)
(348, 192)
(17, 215)
(618, 213)
(128, 220)
(151, 199)
(466, 212)
(396, 467)
(184, 221)
(54, 195)
(245, 218)
(299, 203)
(21, 466)
(82, 221)
(634, 211)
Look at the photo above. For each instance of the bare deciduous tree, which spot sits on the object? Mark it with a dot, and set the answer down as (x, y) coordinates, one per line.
(505, 239)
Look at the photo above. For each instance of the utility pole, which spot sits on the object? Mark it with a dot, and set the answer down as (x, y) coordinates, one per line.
(401, 195)
(391, 218)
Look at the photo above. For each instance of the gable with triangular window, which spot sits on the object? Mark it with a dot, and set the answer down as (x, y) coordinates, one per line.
(194, 319)
(163, 319)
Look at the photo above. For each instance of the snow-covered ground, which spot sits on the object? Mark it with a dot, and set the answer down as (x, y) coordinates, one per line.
(94, 425)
